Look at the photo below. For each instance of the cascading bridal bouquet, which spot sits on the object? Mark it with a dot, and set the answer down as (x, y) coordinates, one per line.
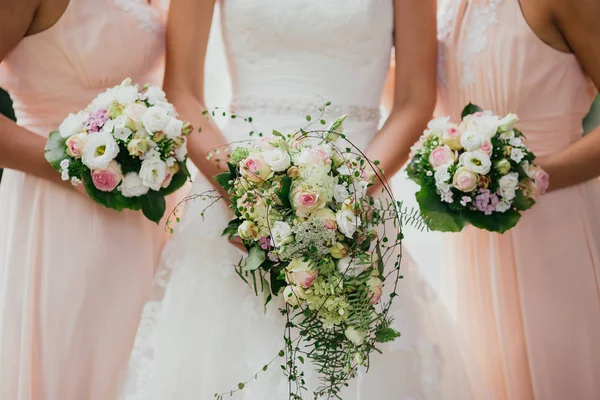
(127, 148)
(315, 237)
(479, 172)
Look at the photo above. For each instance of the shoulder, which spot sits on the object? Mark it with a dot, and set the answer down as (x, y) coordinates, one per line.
(16, 17)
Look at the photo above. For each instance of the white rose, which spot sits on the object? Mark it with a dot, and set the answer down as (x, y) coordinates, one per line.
(279, 160)
(135, 111)
(153, 173)
(352, 266)
(280, 233)
(516, 155)
(438, 126)
(181, 152)
(173, 128)
(340, 193)
(104, 100)
(476, 161)
(508, 185)
(355, 336)
(155, 95)
(508, 122)
(347, 222)
(156, 119)
(132, 186)
(125, 95)
(73, 124)
(487, 125)
(100, 149)
(471, 140)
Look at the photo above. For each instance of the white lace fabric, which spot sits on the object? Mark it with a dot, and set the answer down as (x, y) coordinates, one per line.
(205, 330)
(147, 15)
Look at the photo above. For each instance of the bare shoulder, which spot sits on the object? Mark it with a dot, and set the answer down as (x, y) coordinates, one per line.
(16, 18)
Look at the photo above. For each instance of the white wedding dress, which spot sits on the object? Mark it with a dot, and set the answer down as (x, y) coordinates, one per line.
(205, 330)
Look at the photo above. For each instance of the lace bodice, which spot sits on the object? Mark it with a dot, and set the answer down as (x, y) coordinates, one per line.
(302, 49)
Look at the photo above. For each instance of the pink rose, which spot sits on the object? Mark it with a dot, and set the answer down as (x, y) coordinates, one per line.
(440, 156)
(305, 202)
(328, 217)
(75, 144)
(301, 273)
(171, 171)
(312, 156)
(486, 147)
(255, 169)
(451, 137)
(541, 179)
(465, 180)
(106, 180)
(376, 289)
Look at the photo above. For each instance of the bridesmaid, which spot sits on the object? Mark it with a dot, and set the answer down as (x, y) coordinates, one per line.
(73, 275)
(529, 300)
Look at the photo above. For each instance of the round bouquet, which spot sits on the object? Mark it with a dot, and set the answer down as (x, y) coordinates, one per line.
(315, 237)
(479, 172)
(127, 147)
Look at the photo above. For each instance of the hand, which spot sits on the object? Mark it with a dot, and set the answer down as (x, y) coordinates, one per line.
(237, 242)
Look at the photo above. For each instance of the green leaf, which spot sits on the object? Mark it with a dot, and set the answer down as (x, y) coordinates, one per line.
(56, 150)
(113, 200)
(380, 263)
(386, 334)
(232, 228)
(256, 256)
(496, 222)
(412, 170)
(224, 180)
(153, 206)
(284, 193)
(179, 179)
(521, 202)
(278, 134)
(277, 280)
(436, 214)
(184, 168)
(470, 109)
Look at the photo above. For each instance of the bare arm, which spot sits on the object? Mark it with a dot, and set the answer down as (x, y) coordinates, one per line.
(415, 84)
(20, 149)
(578, 23)
(187, 41)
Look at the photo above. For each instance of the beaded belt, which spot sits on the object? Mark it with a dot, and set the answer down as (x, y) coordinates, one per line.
(300, 109)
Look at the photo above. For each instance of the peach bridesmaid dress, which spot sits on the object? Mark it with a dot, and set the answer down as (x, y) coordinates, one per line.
(529, 300)
(73, 275)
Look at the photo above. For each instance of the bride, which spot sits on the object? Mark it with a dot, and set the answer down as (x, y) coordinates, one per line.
(205, 330)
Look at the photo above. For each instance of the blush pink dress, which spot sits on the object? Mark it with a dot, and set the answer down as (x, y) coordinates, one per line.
(73, 275)
(529, 300)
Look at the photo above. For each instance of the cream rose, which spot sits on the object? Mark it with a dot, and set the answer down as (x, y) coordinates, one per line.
(451, 137)
(174, 129)
(138, 147)
(76, 144)
(507, 123)
(248, 231)
(255, 169)
(328, 217)
(302, 272)
(465, 180)
(376, 288)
